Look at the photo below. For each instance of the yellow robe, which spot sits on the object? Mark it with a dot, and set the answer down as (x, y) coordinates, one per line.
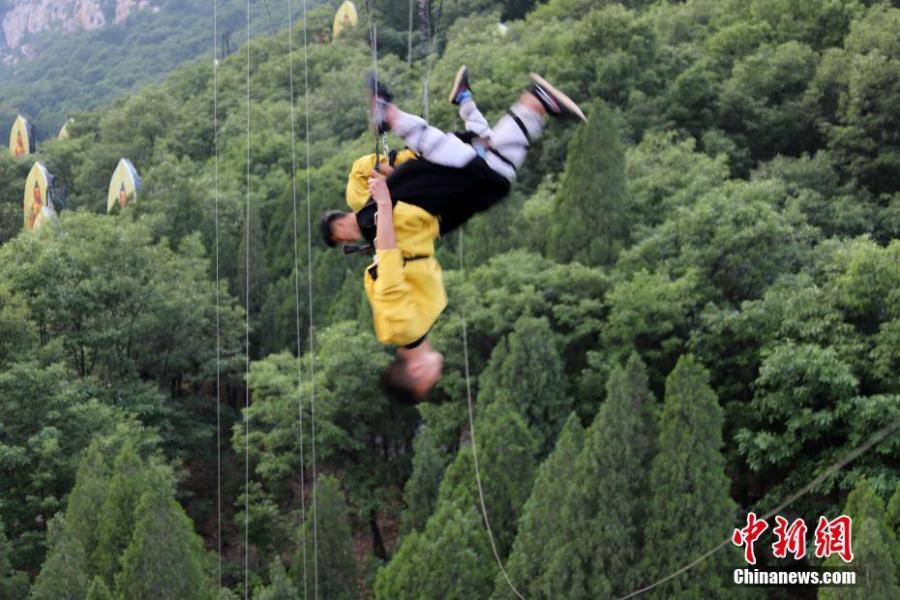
(408, 295)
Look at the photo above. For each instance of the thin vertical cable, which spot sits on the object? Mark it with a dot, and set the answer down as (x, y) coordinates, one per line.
(312, 337)
(484, 513)
(247, 343)
(297, 293)
(218, 309)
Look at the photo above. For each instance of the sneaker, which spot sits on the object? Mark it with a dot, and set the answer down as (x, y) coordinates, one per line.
(554, 101)
(461, 89)
(379, 97)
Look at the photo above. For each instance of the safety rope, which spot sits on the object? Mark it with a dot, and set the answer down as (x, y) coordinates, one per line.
(218, 309)
(297, 294)
(484, 512)
(429, 45)
(247, 342)
(872, 441)
(312, 337)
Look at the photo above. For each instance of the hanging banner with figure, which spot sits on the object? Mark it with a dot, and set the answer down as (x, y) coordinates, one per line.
(345, 18)
(21, 138)
(124, 185)
(37, 203)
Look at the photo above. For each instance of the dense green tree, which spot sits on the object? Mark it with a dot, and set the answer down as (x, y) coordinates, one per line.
(815, 190)
(892, 517)
(589, 222)
(451, 558)
(874, 547)
(119, 319)
(99, 590)
(665, 173)
(763, 104)
(421, 489)
(735, 238)
(280, 586)
(128, 483)
(163, 558)
(689, 509)
(336, 566)
(17, 336)
(600, 541)
(48, 417)
(540, 525)
(650, 314)
(13, 584)
(64, 575)
(526, 371)
(859, 83)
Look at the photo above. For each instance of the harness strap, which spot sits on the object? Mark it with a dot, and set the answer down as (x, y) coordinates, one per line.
(521, 125)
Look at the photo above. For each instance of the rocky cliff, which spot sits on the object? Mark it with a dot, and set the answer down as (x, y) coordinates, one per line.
(21, 20)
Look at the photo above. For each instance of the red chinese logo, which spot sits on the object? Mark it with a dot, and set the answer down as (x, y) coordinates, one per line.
(833, 537)
(790, 539)
(749, 534)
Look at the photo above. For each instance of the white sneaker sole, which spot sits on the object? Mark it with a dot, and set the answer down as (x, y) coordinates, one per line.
(567, 103)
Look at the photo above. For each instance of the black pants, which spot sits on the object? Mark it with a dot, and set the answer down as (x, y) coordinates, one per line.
(453, 195)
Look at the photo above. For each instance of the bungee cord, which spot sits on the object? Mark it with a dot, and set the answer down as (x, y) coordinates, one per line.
(297, 294)
(218, 309)
(247, 343)
(312, 339)
(484, 512)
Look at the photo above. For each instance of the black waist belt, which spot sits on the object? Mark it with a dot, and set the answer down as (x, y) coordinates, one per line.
(373, 270)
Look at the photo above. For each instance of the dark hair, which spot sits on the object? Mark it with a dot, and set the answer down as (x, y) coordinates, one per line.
(325, 221)
(396, 383)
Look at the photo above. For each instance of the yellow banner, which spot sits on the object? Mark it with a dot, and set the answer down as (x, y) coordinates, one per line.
(21, 142)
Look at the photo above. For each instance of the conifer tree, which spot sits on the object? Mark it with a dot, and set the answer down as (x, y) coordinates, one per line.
(874, 547)
(13, 584)
(540, 522)
(690, 510)
(117, 514)
(527, 371)
(590, 218)
(99, 591)
(63, 575)
(163, 558)
(599, 542)
(452, 557)
(89, 493)
(4, 552)
(893, 520)
(280, 586)
(420, 491)
(506, 450)
(337, 568)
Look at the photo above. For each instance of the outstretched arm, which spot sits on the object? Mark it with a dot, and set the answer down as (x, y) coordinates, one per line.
(385, 239)
(394, 305)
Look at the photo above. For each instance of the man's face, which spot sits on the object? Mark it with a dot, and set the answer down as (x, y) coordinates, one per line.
(345, 229)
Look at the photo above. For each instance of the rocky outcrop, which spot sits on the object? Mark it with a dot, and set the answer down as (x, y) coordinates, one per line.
(22, 19)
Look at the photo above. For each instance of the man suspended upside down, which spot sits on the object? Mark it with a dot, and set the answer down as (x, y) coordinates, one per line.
(455, 177)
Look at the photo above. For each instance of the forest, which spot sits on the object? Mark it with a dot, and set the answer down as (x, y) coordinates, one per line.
(687, 310)
(75, 72)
